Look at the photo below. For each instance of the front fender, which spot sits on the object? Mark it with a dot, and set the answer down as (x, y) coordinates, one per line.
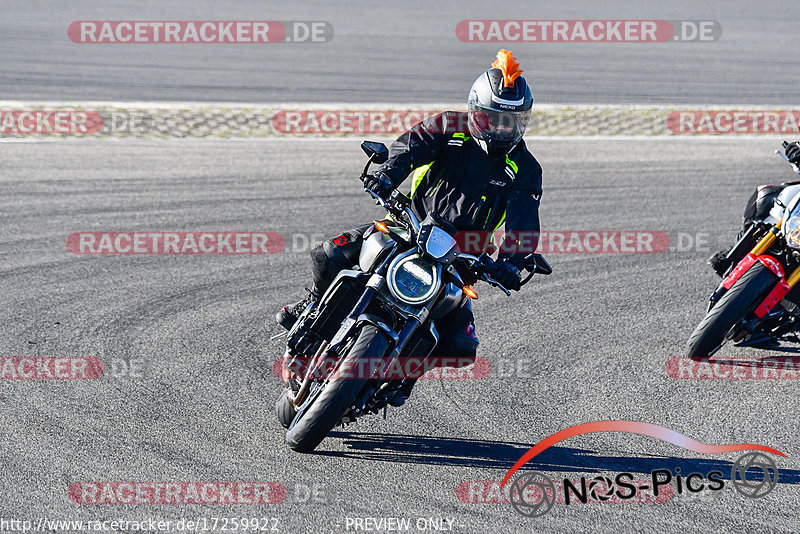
(748, 261)
(377, 322)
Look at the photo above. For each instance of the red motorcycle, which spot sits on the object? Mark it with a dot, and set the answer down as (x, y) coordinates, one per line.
(757, 303)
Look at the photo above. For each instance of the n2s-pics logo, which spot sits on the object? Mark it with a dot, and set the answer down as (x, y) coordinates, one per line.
(533, 493)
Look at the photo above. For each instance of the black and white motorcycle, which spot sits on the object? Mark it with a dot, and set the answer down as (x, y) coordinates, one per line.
(409, 274)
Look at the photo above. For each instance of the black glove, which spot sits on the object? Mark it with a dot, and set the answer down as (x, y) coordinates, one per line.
(793, 152)
(508, 275)
(379, 183)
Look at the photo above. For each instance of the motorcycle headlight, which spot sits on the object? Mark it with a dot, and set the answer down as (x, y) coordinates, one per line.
(412, 280)
(792, 231)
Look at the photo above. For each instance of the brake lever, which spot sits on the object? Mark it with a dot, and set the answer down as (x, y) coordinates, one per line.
(378, 199)
(495, 283)
(785, 157)
(781, 154)
(399, 215)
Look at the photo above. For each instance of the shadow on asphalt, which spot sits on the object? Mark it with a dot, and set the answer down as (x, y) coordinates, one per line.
(775, 362)
(397, 448)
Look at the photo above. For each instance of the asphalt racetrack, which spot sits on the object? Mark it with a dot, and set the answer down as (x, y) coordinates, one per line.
(401, 52)
(188, 390)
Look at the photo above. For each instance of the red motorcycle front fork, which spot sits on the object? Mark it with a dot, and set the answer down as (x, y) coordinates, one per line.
(757, 255)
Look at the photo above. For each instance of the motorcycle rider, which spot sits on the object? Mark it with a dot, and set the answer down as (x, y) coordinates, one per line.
(757, 208)
(473, 171)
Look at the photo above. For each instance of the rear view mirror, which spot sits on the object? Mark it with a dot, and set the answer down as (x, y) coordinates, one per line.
(376, 151)
(537, 264)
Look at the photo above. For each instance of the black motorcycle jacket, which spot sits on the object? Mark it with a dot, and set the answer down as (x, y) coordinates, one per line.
(455, 178)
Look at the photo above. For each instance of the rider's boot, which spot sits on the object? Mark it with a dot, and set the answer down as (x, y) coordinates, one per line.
(401, 395)
(720, 262)
(288, 315)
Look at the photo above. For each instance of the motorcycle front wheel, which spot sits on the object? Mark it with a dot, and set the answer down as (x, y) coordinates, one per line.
(311, 426)
(740, 300)
(284, 410)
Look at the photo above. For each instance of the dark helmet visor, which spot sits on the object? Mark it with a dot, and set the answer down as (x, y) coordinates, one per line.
(501, 126)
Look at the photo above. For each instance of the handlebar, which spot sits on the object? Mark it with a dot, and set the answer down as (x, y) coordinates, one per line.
(484, 266)
(785, 145)
(399, 205)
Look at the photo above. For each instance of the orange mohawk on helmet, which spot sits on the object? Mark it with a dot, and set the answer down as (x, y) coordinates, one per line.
(507, 63)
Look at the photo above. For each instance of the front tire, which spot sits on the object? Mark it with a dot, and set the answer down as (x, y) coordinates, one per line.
(737, 303)
(310, 428)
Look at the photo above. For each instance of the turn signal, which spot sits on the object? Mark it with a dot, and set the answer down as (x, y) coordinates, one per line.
(381, 226)
(470, 292)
